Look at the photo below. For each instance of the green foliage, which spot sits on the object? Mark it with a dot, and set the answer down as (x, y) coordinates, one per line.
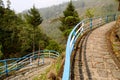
(54, 46)
(89, 13)
(16, 36)
(41, 39)
(69, 20)
(33, 17)
(67, 32)
(9, 31)
(70, 10)
(71, 13)
(1, 54)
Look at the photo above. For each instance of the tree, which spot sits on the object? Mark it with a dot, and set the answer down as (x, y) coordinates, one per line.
(53, 46)
(15, 37)
(9, 32)
(89, 13)
(8, 4)
(1, 3)
(70, 19)
(1, 54)
(70, 15)
(33, 18)
(119, 5)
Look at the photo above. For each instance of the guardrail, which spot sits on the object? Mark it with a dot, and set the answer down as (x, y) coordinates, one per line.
(13, 64)
(81, 28)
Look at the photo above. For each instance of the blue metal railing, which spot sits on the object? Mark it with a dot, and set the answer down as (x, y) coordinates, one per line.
(8, 65)
(81, 28)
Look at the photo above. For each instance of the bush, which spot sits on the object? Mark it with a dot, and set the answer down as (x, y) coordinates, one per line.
(66, 33)
(71, 21)
(54, 46)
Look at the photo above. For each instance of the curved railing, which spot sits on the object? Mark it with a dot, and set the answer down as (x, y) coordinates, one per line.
(81, 28)
(13, 64)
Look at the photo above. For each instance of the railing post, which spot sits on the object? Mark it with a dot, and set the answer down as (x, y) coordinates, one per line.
(106, 19)
(38, 57)
(74, 34)
(114, 17)
(43, 59)
(31, 60)
(6, 67)
(90, 23)
(49, 54)
(16, 66)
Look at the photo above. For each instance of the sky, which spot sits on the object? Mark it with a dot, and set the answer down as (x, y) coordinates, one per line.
(20, 5)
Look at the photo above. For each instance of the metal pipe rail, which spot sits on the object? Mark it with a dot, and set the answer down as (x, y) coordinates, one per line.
(13, 64)
(81, 28)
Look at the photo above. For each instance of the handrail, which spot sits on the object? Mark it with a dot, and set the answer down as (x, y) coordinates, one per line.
(18, 63)
(81, 28)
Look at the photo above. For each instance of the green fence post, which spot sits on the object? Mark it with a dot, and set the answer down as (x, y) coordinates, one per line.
(43, 59)
(106, 19)
(6, 68)
(114, 17)
(90, 23)
(49, 54)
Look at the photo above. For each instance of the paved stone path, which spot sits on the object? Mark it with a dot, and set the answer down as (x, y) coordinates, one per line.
(32, 72)
(99, 64)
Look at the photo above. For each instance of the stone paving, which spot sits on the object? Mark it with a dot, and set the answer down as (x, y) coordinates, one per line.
(99, 64)
(30, 73)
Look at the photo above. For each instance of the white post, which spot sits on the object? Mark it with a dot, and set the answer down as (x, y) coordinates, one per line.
(30, 60)
(49, 54)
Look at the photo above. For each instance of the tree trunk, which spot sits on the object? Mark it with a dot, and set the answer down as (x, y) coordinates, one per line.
(33, 42)
(119, 6)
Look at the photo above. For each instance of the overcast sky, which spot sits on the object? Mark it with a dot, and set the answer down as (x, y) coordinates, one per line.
(20, 5)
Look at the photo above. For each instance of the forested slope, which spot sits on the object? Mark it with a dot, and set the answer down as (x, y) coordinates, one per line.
(99, 7)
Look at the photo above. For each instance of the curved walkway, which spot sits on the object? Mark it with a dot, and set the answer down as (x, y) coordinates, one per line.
(29, 73)
(99, 62)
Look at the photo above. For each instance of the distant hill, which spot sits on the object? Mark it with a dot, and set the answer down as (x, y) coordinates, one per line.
(101, 7)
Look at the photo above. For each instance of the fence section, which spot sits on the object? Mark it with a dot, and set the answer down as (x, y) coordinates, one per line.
(81, 28)
(37, 58)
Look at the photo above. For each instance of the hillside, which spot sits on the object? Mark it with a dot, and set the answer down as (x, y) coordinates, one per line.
(101, 7)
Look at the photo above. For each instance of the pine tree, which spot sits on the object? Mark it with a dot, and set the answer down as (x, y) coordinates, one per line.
(33, 18)
(70, 19)
(70, 15)
(9, 32)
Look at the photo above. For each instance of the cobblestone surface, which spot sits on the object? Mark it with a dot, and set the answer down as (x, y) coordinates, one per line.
(32, 72)
(100, 63)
